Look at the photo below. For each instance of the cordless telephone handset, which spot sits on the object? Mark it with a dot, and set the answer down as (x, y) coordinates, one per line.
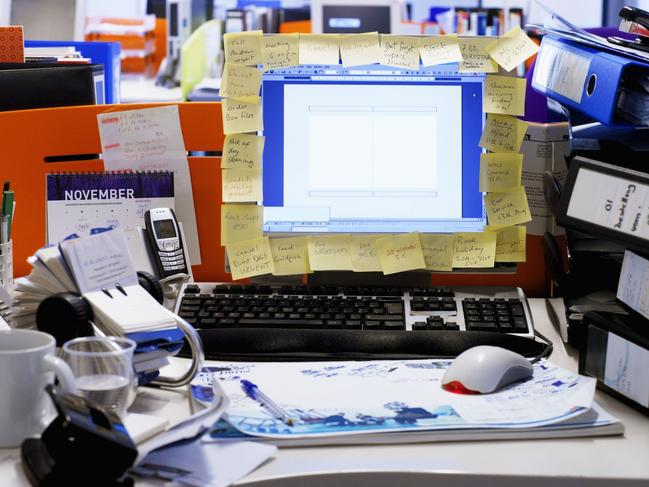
(165, 241)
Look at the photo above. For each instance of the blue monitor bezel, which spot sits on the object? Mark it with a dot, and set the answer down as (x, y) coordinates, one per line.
(473, 119)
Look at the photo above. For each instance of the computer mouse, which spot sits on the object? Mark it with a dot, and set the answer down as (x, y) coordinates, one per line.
(484, 369)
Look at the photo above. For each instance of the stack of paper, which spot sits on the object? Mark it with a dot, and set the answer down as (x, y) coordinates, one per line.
(633, 103)
(399, 401)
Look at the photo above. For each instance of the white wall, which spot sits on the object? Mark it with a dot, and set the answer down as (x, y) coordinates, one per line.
(5, 9)
(44, 19)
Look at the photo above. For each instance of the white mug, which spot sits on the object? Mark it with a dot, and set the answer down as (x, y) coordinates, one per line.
(27, 361)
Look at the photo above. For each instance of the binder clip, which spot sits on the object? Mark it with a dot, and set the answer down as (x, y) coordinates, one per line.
(634, 21)
(84, 445)
(68, 315)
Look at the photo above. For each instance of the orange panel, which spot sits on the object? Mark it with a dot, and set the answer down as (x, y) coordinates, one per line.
(300, 26)
(31, 135)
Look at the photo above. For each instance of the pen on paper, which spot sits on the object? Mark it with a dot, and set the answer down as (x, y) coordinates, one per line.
(106, 292)
(253, 392)
(119, 287)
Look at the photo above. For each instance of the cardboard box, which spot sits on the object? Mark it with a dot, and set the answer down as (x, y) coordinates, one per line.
(545, 148)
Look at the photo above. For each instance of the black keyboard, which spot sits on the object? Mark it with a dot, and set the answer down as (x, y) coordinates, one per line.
(387, 317)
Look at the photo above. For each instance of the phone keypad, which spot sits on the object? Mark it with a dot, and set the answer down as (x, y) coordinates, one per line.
(173, 260)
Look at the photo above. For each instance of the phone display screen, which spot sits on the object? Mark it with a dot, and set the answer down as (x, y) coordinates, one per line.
(164, 229)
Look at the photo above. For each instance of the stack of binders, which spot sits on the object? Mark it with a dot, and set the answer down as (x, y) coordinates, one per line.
(612, 88)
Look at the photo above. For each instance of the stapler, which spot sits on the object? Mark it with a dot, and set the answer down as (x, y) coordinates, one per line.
(634, 21)
(84, 445)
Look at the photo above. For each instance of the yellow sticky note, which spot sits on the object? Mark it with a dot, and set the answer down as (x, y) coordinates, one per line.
(510, 243)
(281, 51)
(399, 253)
(242, 151)
(474, 57)
(241, 185)
(512, 49)
(504, 94)
(507, 208)
(319, 49)
(503, 133)
(240, 82)
(240, 116)
(440, 50)
(363, 253)
(290, 256)
(329, 253)
(250, 258)
(240, 223)
(475, 250)
(360, 49)
(244, 47)
(400, 51)
(500, 172)
(438, 250)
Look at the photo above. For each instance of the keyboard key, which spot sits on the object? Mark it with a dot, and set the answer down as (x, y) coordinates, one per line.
(483, 326)
(394, 325)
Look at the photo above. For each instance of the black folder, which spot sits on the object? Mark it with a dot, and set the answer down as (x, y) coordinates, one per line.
(44, 85)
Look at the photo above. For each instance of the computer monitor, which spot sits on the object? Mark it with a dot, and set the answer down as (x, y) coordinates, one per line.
(356, 16)
(372, 149)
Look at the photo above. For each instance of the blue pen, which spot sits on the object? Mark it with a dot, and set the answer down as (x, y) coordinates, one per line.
(253, 392)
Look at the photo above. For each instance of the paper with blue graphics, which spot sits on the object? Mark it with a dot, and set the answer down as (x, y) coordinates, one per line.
(329, 399)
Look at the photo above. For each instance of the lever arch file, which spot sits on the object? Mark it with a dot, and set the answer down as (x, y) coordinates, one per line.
(606, 201)
(588, 80)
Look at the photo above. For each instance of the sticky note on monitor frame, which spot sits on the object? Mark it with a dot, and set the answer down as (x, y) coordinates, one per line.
(507, 208)
(329, 253)
(360, 49)
(242, 151)
(504, 94)
(244, 47)
(363, 253)
(240, 223)
(512, 48)
(500, 172)
(503, 133)
(510, 243)
(474, 250)
(281, 51)
(240, 186)
(241, 116)
(400, 253)
(438, 250)
(319, 49)
(400, 51)
(290, 256)
(240, 82)
(475, 59)
(250, 258)
(440, 50)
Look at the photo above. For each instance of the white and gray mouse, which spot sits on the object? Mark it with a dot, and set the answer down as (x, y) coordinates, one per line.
(485, 369)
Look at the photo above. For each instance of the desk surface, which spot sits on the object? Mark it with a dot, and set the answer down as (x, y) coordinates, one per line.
(617, 460)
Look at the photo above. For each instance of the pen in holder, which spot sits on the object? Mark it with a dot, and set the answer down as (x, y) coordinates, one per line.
(7, 265)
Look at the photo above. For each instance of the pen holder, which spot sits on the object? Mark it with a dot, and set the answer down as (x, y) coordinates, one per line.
(7, 265)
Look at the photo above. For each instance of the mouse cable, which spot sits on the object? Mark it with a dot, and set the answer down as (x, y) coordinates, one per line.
(546, 351)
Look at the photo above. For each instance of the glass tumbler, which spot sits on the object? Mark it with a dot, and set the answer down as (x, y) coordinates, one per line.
(103, 369)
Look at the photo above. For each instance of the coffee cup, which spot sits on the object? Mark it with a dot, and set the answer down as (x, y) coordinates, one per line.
(27, 364)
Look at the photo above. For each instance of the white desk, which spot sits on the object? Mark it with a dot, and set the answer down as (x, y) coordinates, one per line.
(605, 461)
